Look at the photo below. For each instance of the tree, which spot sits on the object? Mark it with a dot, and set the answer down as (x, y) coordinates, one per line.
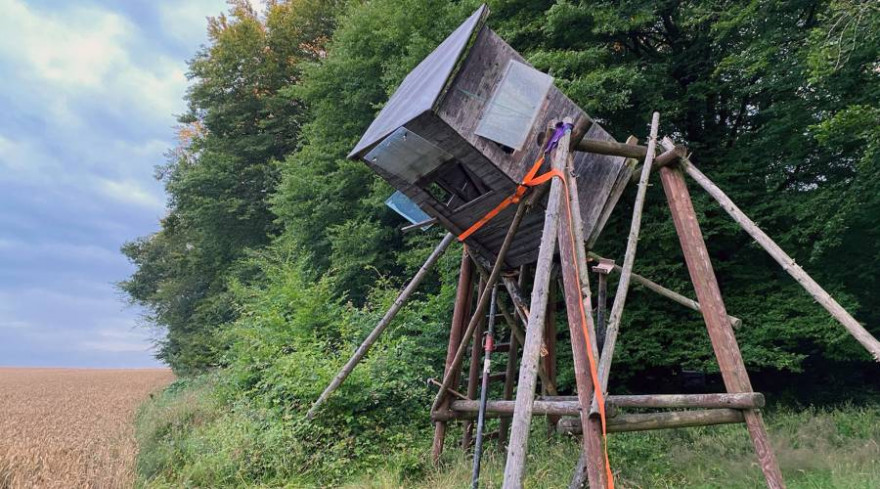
(241, 121)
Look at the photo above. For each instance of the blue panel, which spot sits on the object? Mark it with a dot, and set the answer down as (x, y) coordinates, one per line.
(407, 208)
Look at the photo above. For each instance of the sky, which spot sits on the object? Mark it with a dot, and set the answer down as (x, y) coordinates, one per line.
(88, 96)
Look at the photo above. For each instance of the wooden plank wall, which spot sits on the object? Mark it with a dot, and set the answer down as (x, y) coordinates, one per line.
(600, 177)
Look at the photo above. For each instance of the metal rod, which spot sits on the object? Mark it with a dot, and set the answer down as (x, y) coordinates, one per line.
(484, 388)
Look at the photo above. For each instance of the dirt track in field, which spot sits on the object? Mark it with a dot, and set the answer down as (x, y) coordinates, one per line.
(71, 428)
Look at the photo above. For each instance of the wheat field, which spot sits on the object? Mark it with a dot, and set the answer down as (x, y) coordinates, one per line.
(71, 428)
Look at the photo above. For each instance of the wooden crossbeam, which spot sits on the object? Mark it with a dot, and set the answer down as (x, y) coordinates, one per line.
(660, 421)
(570, 406)
(612, 148)
(669, 294)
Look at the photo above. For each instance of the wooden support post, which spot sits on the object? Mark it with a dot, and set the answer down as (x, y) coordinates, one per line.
(576, 285)
(522, 417)
(482, 302)
(514, 290)
(579, 479)
(550, 358)
(581, 255)
(460, 314)
(669, 294)
(788, 264)
(628, 260)
(602, 270)
(401, 299)
(730, 360)
(520, 336)
(510, 370)
(474, 374)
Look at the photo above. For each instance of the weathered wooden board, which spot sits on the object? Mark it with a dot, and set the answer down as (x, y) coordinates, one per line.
(451, 125)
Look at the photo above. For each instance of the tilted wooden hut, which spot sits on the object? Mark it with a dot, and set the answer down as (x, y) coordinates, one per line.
(465, 126)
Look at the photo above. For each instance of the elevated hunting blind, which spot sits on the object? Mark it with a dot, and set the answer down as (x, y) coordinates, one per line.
(465, 126)
(460, 139)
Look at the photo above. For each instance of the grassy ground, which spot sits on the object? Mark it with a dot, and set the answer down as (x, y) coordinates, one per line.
(836, 449)
(189, 439)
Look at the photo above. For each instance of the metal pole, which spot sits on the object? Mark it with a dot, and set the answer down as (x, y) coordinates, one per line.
(484, 389)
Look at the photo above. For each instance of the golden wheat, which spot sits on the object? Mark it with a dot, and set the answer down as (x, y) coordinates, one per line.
(71, 428)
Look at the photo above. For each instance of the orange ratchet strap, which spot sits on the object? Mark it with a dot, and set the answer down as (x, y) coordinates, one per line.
(531, 180)
(594, 371)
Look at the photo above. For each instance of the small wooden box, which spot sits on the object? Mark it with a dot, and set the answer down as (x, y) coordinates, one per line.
(463, 129)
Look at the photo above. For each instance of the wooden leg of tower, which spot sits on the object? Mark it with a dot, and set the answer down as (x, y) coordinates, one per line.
(514, 470)
(473, 382)
(509, 377)
(460, 315)
(724, 343)
(510, 371)
(571, 265)
(550, 357)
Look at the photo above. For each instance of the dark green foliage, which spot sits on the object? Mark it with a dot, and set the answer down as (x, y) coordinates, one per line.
(749, 89)
(239, 124)
(278, 255)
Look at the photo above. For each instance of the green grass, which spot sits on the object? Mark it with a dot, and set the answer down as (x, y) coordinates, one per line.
(816, 449)
(190, 438)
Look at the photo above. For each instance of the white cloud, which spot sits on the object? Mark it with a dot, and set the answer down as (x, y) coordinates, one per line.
(85, 50)
(179, 18)
(78, 49)
(54, 251)
(130, 192)
(23, 161)
(88, 94)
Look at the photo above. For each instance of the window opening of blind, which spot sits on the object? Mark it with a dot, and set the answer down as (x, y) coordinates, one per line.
(454, 185)
(513, 108)
(407, 155)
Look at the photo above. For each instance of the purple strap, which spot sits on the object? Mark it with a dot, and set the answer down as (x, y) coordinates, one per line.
(561, 130)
